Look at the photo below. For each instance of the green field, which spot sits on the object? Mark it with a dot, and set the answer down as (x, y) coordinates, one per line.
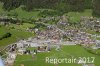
(65, 52)
(18, 32)
(21, 14)
(22, 27)
(24, 14)
(75, 16)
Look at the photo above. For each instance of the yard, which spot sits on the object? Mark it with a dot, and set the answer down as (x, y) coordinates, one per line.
(65, 52)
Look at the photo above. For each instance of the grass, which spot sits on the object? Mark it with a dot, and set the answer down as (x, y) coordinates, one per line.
(98, 38)
(24, 26)
(24, 14)
(16, 34)
(66, 52)
(75, 16)
(39, 60)
(92, 32)
(2, 31)
(32, 48)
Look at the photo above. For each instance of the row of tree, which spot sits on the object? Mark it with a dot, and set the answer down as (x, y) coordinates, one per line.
(96, 7)
(61, 5)
(6, 35)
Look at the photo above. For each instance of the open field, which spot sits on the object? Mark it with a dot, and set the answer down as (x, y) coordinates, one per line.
(22, 27)
(19, 32)
(65, 52)
(24, 14)
(75, 16)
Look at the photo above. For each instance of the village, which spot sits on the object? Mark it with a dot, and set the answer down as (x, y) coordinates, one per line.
(49, 32)
(54, 36)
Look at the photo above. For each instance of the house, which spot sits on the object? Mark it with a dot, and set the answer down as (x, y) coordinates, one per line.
(21, 51)
(98, 44)
(42, 48)
(22, 44)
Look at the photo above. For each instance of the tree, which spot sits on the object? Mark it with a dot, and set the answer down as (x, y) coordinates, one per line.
(88, 4)
(96, 7)
(11, 4)
(61, 5)
(76, 5)
(29, 5)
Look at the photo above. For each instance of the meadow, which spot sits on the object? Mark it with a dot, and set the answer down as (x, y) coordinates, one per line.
(65, 52)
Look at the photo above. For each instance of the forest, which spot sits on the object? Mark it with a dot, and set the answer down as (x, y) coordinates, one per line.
(59, 5)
